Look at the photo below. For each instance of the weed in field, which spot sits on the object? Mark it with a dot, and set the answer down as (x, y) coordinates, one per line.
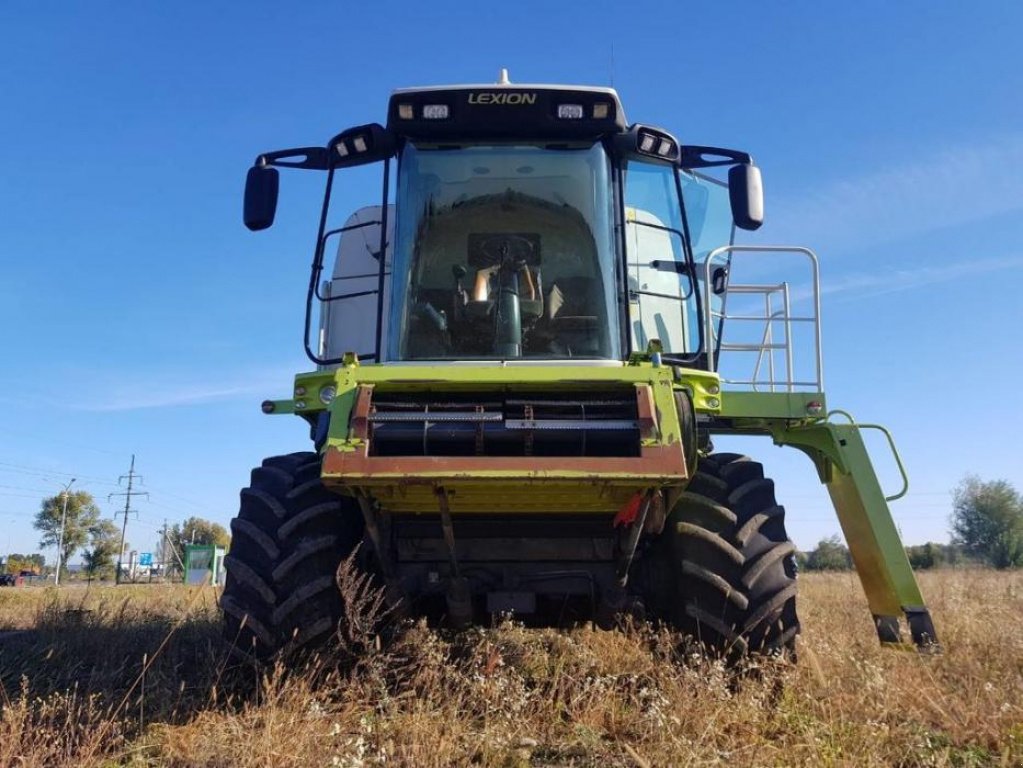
(73, 692)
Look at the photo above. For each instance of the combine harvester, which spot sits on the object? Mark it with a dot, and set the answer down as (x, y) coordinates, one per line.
(517, 383)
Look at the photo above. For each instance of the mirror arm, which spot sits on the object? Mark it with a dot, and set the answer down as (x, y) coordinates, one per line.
(702, 157)
(311, 158)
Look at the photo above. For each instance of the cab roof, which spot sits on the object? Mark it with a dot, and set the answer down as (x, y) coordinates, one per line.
(505, 111)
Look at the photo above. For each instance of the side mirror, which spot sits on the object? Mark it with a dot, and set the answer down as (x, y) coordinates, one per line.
(746, 194)
(261, 186)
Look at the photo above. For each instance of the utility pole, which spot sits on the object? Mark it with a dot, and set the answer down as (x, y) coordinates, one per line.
(163, 550)
(168, 543)
(131, 477)
(60, 540)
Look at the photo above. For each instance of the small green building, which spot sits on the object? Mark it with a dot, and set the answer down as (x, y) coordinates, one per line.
(204, 564)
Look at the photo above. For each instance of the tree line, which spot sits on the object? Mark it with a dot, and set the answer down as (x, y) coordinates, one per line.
(831, 554)
(99, 538)
(986, 525)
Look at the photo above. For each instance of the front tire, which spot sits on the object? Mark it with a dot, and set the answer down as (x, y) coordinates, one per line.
(724, 567)
(287, 542)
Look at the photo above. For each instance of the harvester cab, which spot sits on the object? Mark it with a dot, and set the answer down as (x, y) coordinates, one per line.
(518, 379)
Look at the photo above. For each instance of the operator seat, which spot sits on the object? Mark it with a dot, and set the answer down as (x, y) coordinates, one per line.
(485, 287)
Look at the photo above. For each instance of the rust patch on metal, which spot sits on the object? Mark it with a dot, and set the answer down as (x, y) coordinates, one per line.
(656, 515)
(646, 411)
(361, 411)
(664, 462)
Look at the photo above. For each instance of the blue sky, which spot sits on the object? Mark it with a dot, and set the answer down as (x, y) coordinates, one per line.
(137, 315)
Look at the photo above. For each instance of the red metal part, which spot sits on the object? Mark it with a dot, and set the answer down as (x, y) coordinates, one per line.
(627, 514)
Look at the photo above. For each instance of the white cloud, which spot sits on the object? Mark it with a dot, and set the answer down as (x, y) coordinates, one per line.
(187, 395)
(161, 390)
(951, 187)
(885, 279)
(892, 280)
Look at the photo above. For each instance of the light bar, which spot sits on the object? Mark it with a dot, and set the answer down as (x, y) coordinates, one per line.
(435, 112)
(570, 111)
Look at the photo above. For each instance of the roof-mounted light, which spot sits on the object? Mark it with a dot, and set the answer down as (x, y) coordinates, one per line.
(570, 111)
(436, 111)
(601, 110)
(653, 143)
(360, 145)
(406, 111)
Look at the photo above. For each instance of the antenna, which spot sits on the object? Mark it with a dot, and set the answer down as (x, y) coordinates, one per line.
(612, 63)
(502, 78)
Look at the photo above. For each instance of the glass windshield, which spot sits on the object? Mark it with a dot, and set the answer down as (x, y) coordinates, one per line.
(504, 252)
(662, 303)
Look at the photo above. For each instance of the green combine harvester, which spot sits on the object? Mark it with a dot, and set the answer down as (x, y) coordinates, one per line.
(521, 364)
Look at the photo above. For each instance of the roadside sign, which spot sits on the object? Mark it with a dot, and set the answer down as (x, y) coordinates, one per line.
(145, 558)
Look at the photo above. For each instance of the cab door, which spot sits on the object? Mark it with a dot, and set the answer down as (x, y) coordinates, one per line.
(662, 304)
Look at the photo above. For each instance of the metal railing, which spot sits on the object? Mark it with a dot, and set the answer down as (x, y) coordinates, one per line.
(768, 346)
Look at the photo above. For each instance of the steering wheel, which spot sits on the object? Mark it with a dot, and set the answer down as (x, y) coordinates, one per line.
(511, 250)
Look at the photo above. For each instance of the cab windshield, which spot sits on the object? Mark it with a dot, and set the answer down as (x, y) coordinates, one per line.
(504, 252)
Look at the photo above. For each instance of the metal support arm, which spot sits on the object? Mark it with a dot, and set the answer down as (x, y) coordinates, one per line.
(844, 467)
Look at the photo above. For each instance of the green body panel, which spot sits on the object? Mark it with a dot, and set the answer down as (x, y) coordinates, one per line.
(772, 405)
(704, 387)
(791, 418)
(845, 468)
(500, 485)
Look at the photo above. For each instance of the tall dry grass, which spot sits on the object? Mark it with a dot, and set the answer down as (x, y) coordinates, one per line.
(74, 692)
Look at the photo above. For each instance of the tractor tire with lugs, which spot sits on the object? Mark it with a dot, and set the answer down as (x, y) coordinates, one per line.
(725, 566)
(287, 542)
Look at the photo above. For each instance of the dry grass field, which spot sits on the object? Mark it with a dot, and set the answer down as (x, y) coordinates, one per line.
(137, 676)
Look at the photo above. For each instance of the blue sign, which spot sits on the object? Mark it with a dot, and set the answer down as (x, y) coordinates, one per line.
(145, 558)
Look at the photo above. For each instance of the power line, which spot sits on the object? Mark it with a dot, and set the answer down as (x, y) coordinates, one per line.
(22, 469)
(23, 488)
(197, 505)
(177, 508)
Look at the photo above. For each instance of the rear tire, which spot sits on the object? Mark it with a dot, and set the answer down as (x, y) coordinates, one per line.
(723, 570)
(287, 542)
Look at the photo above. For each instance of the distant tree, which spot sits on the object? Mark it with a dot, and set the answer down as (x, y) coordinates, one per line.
(929, 555)
(987, 521)
(16, 563)
(82, 516)
(1007, 551)
(196, 530)
(105, 542)
(830, 555)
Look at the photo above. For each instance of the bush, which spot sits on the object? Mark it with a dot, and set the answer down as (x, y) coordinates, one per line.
(830, 555)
